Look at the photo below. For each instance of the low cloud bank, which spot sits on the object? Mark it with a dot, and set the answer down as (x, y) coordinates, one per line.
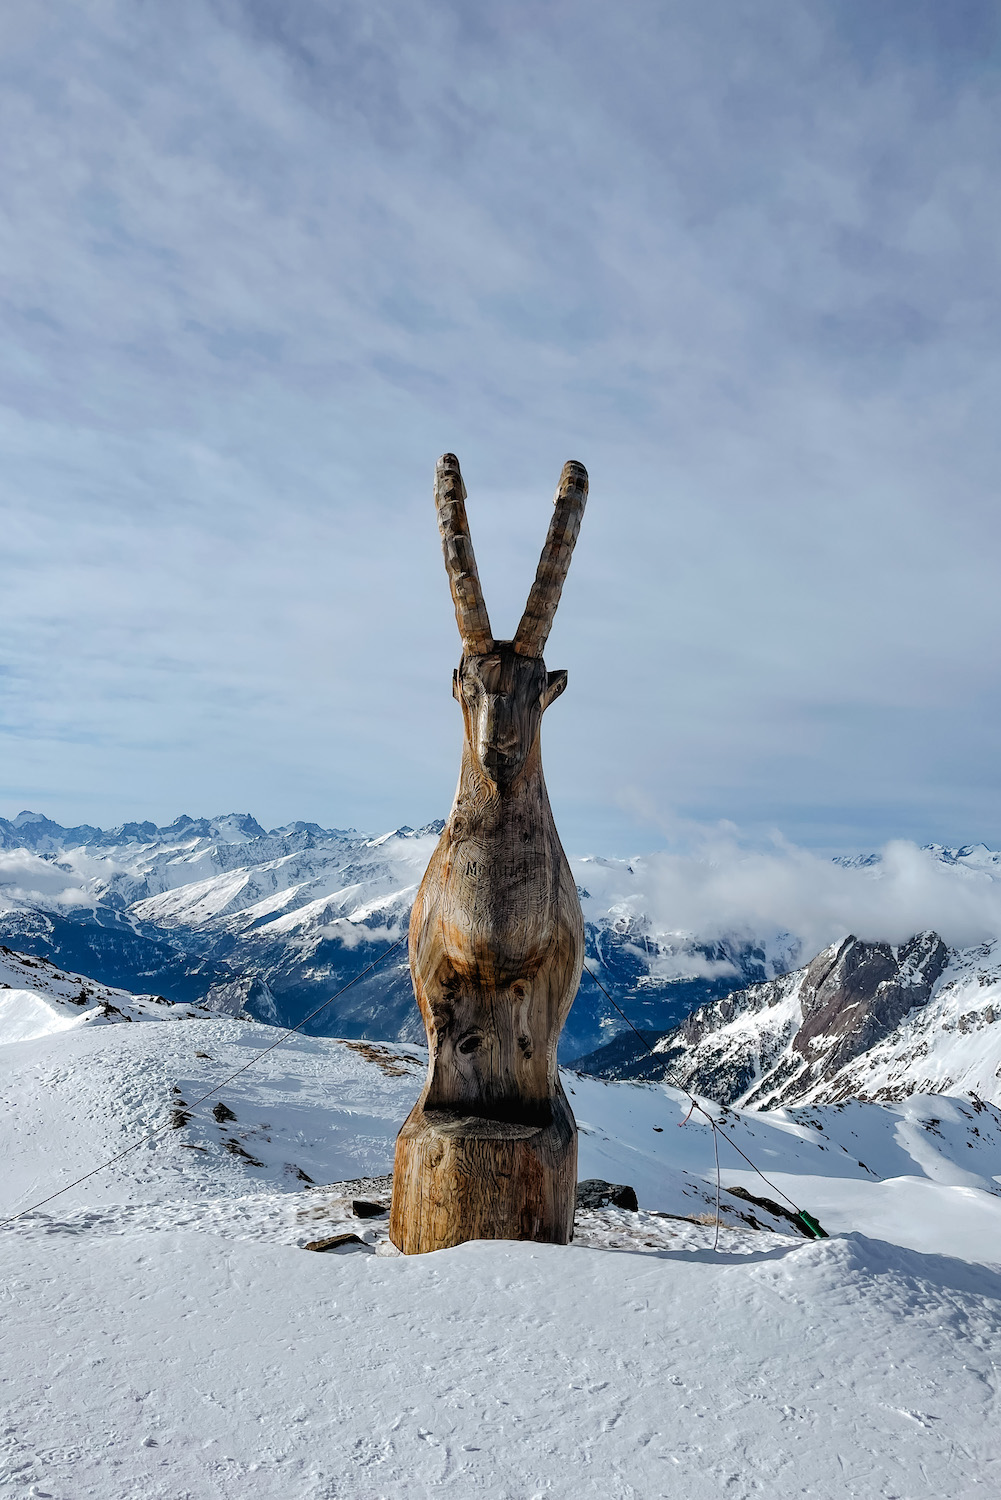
(792, 901)
(724, 890)
(28, 880)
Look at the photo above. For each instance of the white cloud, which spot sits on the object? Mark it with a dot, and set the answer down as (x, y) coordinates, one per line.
(725, 889)
(28, 881)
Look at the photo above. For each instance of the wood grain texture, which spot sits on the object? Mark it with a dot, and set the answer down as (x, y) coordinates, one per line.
(537, 621)
(489, 1150)
(460, 562)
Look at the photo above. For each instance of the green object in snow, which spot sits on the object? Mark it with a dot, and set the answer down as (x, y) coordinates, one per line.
(810, 1224)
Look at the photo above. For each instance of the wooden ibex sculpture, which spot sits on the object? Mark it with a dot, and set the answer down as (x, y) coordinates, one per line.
(489, 1150)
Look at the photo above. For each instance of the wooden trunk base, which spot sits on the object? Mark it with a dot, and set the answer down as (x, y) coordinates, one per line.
(462, 1177)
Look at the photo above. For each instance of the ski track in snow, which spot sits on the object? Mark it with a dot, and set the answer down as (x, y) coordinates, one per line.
(166, 1336)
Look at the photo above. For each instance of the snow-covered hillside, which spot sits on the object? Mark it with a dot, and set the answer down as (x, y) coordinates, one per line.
(36, 999)
(165, 1332)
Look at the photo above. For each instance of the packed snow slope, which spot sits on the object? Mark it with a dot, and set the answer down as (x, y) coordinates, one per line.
(165, 1334)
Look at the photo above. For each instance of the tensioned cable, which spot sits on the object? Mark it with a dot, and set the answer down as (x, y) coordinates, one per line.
(716, 1150)
(808, 1221)
(242, 1069)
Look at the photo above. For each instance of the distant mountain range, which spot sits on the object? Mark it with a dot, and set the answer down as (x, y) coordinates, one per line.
(224, 912)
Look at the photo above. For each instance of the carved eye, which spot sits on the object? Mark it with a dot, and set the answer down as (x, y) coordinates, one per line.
(470, 1043)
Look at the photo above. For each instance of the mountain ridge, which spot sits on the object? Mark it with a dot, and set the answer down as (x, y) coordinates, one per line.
(870, 1021)
(223, 912)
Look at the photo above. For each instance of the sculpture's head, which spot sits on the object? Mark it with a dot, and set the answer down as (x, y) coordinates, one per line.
(503, 697)
(503, 686)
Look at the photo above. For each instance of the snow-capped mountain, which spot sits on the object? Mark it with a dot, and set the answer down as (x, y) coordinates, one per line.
(221, 911)
(861, 1021)
(273, 923)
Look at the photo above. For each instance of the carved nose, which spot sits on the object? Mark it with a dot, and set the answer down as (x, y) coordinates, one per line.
(499, 732)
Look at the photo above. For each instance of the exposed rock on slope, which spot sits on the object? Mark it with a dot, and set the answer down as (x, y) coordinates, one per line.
(854, 997)
(863, 1020)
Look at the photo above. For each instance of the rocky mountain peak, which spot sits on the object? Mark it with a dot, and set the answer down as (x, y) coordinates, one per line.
(854, 993)
(864, 1020)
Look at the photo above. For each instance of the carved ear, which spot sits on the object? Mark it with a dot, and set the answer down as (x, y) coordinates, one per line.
(537, 621)
(455, 685)
(460, 563)
(555, 683)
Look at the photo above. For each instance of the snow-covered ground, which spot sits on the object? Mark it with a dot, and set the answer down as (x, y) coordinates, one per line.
(166, 1334)
(169, 1365)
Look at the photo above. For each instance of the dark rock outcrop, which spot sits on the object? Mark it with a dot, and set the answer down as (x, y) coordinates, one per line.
(594, 1193)
(782, 1041)
(853, 996)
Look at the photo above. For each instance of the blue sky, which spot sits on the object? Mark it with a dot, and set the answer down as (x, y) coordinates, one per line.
(263, 262)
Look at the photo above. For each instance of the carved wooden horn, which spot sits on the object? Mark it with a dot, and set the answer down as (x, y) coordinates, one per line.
(460, 561)
(537, 621)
